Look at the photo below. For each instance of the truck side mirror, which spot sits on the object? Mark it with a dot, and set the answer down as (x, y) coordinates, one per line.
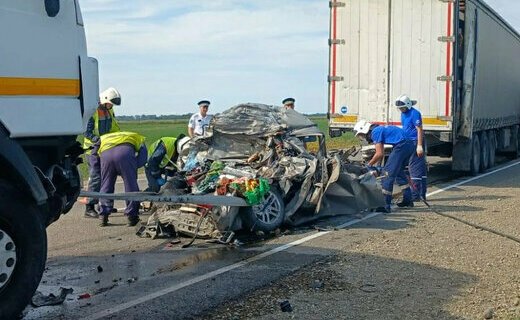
(52, 7)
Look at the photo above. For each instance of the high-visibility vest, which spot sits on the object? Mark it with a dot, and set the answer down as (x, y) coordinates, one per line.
(169, 143)
(114, 139)
(114, 128)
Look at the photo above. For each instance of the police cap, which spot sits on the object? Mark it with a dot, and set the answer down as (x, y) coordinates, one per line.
(288, 101)
(203, 103)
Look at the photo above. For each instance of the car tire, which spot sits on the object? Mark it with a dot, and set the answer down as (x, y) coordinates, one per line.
(268, 215)
(23, 250)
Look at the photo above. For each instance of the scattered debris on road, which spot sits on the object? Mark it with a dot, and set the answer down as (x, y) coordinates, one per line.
(40, 300)
(285, 306)
(84, 296)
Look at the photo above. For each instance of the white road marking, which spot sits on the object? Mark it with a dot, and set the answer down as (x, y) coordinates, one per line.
(217, 272)
(473, 179)
(151, 296)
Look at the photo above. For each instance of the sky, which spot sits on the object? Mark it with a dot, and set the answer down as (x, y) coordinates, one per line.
(166, 55)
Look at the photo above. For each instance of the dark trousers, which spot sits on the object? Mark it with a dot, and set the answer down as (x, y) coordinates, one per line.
(94, 173)
(121, 161)
(395, 168)
(418, 175)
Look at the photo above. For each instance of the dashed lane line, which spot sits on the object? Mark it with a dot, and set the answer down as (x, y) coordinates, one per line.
(187, 283)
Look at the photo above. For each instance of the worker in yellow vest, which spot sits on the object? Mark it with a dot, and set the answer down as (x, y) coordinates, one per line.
(102, 122)
(162, 154)
(121, 154)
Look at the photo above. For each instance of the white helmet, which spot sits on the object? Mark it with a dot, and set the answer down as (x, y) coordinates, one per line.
(404, 102)
(362, 127)
(183, 145)
(110, 95)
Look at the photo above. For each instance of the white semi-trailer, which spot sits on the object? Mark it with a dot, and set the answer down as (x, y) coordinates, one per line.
(457, 58)
(48, 91)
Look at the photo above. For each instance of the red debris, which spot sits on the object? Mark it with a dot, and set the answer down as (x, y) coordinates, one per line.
(84, 296)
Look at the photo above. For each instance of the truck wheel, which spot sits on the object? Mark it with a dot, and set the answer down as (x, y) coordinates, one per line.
(492, 148)
(475, 155)
(268, 215)
(517, 154)
(484, 151)
(23, 251)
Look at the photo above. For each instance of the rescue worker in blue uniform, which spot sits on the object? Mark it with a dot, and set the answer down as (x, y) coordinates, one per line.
(102, 122)
(411, 120)
(161, 154)
(397, 160)
(121, 154)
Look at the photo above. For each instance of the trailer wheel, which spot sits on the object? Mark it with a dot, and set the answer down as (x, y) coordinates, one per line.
(268, 215)
(492, 148)
(484, 151)
(23, 251)
(517, 153)
(475, 155)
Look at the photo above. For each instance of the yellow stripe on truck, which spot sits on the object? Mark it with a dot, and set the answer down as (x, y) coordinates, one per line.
(353, 119)
(434, 122)
(345, 119)
(39, 87)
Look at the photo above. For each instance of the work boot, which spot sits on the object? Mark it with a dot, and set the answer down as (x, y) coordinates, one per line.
(383, 209)
(424, 188)
(405, 204)
(133, 220)
(103, 220)
(407, 201)
(90, 211)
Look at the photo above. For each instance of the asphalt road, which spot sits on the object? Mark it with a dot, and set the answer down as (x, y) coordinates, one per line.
(143, 277)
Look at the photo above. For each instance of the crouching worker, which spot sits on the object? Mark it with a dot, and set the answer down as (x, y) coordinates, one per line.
(397, 160)
(121, 154)
(162, 160)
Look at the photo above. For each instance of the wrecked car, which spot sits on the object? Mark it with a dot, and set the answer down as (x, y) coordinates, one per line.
(276, 159)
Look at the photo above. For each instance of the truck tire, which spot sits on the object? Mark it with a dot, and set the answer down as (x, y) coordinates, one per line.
(517, 153)
(484, 151)
(492, 148)
(268, 215)
(23, 251)
(475, 155)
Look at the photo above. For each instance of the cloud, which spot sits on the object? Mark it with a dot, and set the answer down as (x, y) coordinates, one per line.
(166, 55)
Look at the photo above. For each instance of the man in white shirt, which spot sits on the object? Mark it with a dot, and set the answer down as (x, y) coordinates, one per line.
(199, 122)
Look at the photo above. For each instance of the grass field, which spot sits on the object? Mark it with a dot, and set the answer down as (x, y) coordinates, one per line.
(154, 130)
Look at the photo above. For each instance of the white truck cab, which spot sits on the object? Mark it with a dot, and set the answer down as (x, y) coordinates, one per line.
(48, 91)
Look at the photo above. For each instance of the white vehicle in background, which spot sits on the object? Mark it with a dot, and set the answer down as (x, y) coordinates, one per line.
(48, 91)
(457, 58)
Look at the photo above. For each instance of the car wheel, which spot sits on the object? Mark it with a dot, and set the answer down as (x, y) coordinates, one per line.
(23, 251)
(268, 215)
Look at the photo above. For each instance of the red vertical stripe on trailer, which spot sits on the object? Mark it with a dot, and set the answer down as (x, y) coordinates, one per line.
(448, 59)
(333, 83)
